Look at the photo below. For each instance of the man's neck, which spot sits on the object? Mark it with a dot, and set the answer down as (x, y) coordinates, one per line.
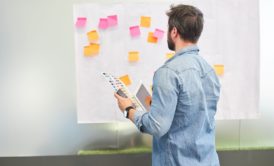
(183, 45)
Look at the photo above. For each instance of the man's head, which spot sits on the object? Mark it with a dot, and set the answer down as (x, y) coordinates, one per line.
(185, 24)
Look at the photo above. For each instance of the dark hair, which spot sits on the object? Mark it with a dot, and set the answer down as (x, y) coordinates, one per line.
(188, 20)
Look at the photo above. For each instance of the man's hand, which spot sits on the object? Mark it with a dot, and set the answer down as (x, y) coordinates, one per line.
(123, 103)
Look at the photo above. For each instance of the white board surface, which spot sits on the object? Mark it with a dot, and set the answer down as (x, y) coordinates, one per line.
(230, 37)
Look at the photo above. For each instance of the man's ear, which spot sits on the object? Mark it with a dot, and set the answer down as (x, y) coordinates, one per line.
(174, 32)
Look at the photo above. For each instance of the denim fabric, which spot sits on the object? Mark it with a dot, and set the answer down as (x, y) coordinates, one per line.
(181, 119)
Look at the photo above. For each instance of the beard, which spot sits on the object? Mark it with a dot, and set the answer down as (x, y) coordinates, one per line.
(170, 43)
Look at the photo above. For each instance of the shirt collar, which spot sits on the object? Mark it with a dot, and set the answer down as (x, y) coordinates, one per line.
(188, 49)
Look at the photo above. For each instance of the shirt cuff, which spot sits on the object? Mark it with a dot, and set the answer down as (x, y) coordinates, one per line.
(138, 118)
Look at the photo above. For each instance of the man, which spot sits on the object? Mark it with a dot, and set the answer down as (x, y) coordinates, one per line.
(185, 95)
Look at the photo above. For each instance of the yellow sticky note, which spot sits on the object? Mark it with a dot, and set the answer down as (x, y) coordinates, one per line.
(133, 56)
(93, 36)
(219, 69)
(92, 49)
(145, 21)
(169, 55)
(125, 79)
(151, 38)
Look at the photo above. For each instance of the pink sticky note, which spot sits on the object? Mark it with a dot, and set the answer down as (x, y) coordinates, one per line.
(103, 23)
(158, 33)
(81, 22)
(134, 31)
(112, 20)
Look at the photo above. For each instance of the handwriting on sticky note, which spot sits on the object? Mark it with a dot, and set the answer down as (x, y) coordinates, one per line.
(93, 36)
(219, 69)
(134, 31)
(103, 23)
(125, 79)
(92, 49)
(169, 55)
(81, 22)
(158, 33)
(133, 56)
(112, 20)
(145, 21)
(151, 38)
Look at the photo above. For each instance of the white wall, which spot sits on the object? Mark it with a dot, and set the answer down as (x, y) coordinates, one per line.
(257, 133)
(37, 86)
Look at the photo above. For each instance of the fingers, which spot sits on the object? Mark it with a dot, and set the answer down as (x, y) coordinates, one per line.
(118, 97)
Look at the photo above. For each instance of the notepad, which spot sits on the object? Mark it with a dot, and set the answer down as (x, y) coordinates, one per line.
(151, 38)
(133, 56)
(145, 21)
(93, 36)
(144, 96)
(169, 55)
(81, 22)
(158, 33)
(126, 80)
(219, 69)
(103, 23)
(134, 31)
(112, 20)
(92, 49)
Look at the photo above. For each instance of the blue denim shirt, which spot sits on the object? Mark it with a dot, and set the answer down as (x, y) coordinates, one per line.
(181, 118)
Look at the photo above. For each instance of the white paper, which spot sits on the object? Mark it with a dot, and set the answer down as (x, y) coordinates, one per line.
(230, 37)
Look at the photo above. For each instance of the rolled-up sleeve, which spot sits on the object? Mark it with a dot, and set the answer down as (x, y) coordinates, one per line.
(164, 101)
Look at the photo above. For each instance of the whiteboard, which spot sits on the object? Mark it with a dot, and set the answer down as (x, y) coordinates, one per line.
(230, 37)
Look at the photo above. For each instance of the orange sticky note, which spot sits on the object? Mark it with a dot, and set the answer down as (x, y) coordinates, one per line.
(133, 56)
(125, 79)
(148, 100)
(92, 49)
(169, 55)
(145, 21)
(151, 38)
(93, 36)
(219, 69)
